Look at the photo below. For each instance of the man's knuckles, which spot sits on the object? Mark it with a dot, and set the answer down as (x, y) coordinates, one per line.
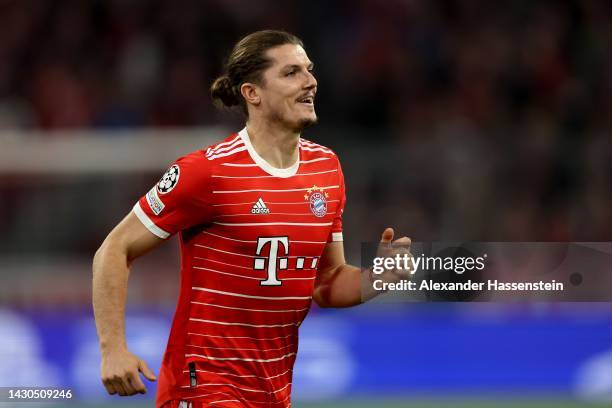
(403, 241)
(121, 376)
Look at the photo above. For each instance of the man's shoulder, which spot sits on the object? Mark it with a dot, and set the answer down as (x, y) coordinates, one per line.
(224, 148)
(315, 152)
(316, 149)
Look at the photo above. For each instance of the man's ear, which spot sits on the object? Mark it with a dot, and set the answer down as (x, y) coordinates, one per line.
(250, 93)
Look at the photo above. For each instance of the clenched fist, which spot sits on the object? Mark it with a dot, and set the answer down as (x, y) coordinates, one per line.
(120, 373)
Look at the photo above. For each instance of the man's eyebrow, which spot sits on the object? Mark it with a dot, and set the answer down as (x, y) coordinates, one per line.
(292, 66)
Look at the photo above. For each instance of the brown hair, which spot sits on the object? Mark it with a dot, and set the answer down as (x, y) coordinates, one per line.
(245, 64)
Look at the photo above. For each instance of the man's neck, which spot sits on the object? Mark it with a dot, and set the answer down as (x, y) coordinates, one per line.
(277, 146)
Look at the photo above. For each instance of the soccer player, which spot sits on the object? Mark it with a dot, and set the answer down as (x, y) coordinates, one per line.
(259, 216)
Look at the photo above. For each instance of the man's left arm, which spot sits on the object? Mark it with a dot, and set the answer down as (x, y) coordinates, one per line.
(339, 284)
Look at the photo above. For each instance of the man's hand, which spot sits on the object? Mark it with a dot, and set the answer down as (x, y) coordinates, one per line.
(120, 373)
(389, 249)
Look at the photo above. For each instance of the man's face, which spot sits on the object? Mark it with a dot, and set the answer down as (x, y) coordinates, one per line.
(288, 88)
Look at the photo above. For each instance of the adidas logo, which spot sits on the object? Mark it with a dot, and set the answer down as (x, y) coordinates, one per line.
(260, 208)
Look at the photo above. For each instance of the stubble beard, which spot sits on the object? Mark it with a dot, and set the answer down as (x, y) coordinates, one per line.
(307, 122)
(298, 126)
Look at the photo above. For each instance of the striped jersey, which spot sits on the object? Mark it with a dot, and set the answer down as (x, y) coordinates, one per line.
(251, 237)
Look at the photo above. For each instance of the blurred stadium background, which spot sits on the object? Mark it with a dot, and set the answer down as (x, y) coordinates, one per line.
(475, 120)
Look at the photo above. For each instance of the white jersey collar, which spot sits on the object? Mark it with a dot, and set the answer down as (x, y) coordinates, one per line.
(265, 166)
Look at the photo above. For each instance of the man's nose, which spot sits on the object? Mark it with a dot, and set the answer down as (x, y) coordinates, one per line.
(311, 81)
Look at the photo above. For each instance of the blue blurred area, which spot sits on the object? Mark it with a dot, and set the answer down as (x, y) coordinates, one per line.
(374, 350)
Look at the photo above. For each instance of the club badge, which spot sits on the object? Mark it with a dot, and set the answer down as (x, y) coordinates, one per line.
(317, 200)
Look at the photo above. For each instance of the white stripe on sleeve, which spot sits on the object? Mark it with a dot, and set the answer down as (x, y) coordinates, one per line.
(146, 221)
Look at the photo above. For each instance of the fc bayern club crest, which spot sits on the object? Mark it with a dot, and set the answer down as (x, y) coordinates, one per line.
(317, 200)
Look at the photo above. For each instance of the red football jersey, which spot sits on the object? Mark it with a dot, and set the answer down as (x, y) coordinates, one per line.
(251, 236)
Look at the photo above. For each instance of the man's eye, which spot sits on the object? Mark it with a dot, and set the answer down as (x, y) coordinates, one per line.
(290, 73)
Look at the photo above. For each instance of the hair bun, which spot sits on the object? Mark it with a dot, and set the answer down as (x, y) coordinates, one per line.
(223, 93)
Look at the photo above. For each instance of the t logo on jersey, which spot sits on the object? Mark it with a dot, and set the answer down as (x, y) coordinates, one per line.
(273, 259)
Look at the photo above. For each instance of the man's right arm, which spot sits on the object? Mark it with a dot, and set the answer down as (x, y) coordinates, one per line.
(129, 240)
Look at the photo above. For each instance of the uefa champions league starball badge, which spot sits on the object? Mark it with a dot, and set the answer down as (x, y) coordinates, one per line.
(317, 200)
(169, 179)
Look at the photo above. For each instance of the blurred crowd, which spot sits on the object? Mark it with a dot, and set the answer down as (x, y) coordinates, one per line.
(482, 121)
(405, 64)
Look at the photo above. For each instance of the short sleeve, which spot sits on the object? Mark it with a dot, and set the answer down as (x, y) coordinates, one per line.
(181, 198)
(336, 229)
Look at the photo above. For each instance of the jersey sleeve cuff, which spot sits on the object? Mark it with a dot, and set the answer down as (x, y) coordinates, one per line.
(150, 225)
(337, 237)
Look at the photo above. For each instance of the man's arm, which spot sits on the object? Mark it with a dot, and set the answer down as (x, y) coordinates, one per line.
(111, 266)
(339, 284)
